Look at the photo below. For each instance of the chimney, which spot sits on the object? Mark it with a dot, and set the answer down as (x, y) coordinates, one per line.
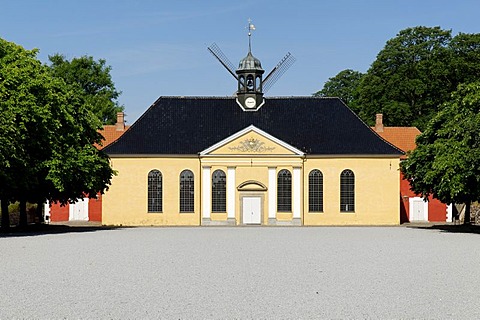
(120, 125)
(379, 123)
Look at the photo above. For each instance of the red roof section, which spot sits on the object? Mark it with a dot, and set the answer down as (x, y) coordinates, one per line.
(401, 137)
(110, 133)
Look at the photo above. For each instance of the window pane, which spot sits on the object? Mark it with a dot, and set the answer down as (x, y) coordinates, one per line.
(315, 191)
(284, 191)
(187, 198)
(219, 191)
(154, 191)
(347, 191)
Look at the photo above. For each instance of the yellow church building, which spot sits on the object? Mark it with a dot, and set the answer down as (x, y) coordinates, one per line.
(298, 161)
(248, 159)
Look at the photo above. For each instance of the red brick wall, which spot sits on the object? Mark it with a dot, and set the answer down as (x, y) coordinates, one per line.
(404, 209)
(95, 209)
(405, 194)
(437, 211)
(58, 213)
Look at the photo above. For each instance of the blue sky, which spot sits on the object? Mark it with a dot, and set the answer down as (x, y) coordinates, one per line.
(158, 47)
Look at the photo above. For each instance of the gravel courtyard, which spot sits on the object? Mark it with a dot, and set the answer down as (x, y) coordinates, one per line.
(241, 273)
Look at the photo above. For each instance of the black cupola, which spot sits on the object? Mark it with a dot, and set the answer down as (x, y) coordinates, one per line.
(249, 72)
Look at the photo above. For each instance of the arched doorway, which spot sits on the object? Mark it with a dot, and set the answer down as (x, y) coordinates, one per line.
(252, 202)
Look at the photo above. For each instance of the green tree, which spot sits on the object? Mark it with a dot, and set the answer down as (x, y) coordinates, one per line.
(409, 79)
(20, 80)
(344, 86)
(48, 133)
(93, 79)
(446, 162)
(465, 58)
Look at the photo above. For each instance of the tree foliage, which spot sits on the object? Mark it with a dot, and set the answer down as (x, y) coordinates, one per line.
(48, 134)
(446, 162)
(344, 86)
(465, 58)
(409, 79)
(94, 81)
(412, 76)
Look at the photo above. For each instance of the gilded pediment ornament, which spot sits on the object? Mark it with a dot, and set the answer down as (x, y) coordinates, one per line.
(251, 145)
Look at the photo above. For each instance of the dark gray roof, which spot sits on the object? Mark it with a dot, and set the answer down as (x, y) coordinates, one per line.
(249, 63)
(189, 125)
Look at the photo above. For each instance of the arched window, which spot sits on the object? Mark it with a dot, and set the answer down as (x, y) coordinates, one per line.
(347, 191)
(219, 191)
(187, 197)
(154, 191)
(284, 191)
(315, 191)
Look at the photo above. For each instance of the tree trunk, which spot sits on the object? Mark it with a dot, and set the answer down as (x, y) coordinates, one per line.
(5, 215)
(39, 212)
(466, 218)
(23, 213)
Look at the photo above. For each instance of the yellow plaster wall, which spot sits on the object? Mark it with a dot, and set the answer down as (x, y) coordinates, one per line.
(125, 203)
(377, 190)
(284, 216)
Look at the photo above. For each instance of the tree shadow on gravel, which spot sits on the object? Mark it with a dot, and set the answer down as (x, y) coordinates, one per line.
(44, 229)
(451, 228)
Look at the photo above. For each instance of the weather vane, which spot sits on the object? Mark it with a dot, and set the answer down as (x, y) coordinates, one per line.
(251, 28)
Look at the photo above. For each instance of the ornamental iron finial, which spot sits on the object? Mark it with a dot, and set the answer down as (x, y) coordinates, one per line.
(250, 28)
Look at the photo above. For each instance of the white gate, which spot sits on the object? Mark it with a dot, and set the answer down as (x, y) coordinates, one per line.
(418, 209)
(251, 212)
(78, 210)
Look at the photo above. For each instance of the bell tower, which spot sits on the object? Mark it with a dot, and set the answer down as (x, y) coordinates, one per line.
(249, 75)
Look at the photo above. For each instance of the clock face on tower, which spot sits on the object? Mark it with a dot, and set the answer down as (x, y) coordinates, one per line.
(250, 102)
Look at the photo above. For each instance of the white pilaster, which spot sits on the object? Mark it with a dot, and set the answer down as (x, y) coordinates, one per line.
(71, 208)
(231, 192)
(449, 213)
(272, 193)
(206, 192)
(296, 192)
(46, 211)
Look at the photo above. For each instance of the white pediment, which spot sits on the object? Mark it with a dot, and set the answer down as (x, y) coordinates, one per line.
(252, 140)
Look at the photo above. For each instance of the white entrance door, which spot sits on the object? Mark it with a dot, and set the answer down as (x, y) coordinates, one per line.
(418, 209)
(252, 210)
(79, 210)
